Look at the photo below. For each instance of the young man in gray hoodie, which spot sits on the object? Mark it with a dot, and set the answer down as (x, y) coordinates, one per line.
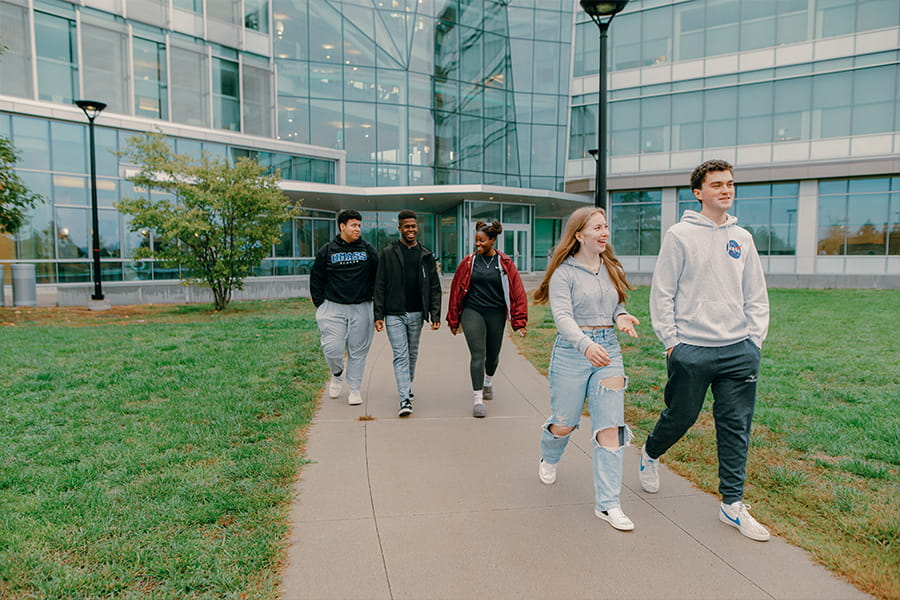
(710, 309)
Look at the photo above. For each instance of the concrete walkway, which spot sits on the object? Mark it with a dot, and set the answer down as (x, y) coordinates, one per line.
(442, 505)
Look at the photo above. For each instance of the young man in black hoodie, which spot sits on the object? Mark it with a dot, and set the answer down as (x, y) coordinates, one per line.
(407, 293)
(341, 284)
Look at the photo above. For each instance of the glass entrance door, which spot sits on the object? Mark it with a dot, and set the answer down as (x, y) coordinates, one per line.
(516, 242)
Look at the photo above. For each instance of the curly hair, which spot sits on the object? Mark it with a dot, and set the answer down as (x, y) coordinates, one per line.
(699, 174)
(491, 230)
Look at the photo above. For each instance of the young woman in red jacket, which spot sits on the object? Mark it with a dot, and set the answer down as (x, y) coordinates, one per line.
(486, 291)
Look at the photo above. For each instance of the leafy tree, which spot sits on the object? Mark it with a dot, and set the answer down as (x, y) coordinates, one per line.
(220, 222)
(15, 198)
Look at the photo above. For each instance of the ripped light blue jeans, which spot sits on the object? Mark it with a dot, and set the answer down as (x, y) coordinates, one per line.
(572, 379)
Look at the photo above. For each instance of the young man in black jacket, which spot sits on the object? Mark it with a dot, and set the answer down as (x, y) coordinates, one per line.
(341, 284)
(407, 293)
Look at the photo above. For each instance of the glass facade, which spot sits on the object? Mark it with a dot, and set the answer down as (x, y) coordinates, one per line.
(56, 233)
(652, 32)
(636, 222)
(852, 100)
(859, 217)
(139, 68)
(428, 92)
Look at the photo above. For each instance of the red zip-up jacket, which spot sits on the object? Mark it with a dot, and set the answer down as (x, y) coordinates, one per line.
(513, 291)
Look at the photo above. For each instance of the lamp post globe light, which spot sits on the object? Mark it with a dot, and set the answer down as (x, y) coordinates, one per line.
(602, 14)
(91, 109)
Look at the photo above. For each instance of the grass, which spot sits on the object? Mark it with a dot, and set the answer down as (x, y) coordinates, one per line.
(825, 452)
(150, 452)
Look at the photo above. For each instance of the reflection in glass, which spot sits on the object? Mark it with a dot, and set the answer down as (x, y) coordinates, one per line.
(150, 88)
(57, 57)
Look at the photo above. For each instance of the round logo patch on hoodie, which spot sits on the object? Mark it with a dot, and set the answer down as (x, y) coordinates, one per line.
(734, 249)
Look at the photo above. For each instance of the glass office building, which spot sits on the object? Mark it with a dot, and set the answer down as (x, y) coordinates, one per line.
(468, 110)
(802, 96)
(455, 108)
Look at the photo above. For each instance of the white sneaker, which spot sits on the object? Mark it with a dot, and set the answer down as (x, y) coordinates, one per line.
(355, 398)
(547, 473)
(616, 518)
(334, 386)
(649, 473)
(738, 515)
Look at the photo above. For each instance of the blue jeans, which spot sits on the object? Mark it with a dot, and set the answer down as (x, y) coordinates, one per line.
(572, 378)
(404, 332)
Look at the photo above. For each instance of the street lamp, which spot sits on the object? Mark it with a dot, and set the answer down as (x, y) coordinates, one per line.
(602, 14)
(91, 109)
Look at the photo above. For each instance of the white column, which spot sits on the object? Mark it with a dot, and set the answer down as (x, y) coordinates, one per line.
(807, 217)
(669, 214)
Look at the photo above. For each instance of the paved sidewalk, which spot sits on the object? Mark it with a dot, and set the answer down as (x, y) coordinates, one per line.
(442, 505)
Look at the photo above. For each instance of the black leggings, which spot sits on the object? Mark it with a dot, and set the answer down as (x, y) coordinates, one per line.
(483, 329)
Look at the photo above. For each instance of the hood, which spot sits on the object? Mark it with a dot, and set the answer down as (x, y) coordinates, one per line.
(695, 218)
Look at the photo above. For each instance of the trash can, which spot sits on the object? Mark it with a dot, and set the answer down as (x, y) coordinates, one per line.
(24, 286)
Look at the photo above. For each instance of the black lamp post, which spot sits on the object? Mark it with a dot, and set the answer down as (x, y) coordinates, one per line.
(602, 14)
(91, 109)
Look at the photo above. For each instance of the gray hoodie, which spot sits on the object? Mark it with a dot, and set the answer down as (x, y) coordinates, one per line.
(708, 285)
(581, 298)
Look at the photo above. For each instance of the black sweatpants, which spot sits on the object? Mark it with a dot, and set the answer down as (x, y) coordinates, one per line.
(732, 372)
(483, 329)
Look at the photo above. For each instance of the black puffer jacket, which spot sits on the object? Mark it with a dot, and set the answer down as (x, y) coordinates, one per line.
(390, 284)
(343, 272)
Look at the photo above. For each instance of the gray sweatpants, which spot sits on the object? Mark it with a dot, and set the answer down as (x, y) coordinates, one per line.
(347, 327)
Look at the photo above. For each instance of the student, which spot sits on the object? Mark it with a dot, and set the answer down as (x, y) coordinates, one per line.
(586, 287)
(486, 291)
(407, 293)
(341, 284)
(710, 310)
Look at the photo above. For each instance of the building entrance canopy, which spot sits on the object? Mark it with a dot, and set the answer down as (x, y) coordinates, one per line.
(429, 199)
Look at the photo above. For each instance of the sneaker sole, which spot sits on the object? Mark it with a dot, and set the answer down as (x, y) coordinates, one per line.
(606, 518)
(404, 412)
(746, 534)
(354, 402)
(478, 414)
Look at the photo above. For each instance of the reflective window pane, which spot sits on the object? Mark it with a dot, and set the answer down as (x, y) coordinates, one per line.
(57, 58)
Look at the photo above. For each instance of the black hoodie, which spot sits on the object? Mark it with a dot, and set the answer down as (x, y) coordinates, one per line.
(343, 272)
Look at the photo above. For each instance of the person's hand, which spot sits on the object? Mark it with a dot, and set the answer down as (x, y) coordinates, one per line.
(669, 351)
(522, 331)
(454, 330)
(598, 356)
(627, 323)
(435, 325)
(379, 325)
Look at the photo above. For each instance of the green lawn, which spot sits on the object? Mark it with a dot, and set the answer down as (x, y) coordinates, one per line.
(150, 452)
(825, 454)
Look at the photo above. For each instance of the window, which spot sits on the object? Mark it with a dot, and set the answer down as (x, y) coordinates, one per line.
(190, 87)
(151, 96)
(256, 15)
(104, 55)
(226, 95)
(859, 217)
(257, 100)
(15, 61)
(635, 222)
(57, 58)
